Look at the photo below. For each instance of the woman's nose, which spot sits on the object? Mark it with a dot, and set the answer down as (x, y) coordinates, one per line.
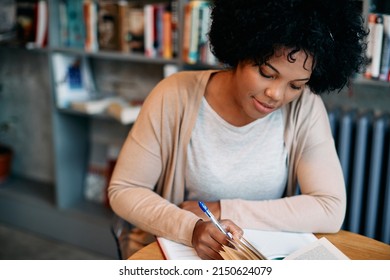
(274, 92)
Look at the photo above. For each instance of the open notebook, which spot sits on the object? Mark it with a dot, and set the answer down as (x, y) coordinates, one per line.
(271, 244)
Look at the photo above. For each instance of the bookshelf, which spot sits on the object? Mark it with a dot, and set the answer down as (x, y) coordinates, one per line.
(75, 133)
(60, 210)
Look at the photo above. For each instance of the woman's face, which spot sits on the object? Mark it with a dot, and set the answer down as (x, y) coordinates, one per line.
(262, 89)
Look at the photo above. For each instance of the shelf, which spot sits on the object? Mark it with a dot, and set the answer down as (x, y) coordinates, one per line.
(360, 80)
(30, 205)
(133, 57)
(101, 116)
(24, 49)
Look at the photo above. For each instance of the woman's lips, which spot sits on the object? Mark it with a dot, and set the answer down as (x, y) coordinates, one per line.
(262, 107)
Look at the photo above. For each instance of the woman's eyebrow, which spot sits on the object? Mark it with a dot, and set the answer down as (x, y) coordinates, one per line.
(276, 70)
(273, 68)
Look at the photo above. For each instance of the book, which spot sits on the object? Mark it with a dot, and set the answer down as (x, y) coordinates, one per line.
(41, 24)
(136, 28)
(186, 31)
(205, 54)
(63, 23)
(108, 17)
(7, 21)
(377, 46)
(124, 112)
(273, 245)
(321, 249)
(385, 63)
(174, 26)
(150, 12)
(370, 45)
(92, 107)
(192, 57)
(167, 51)
(75, 24)
(26, 20)
(159, 30)
(90, 22)
(72, 79)
(196, 47)
(123, 26)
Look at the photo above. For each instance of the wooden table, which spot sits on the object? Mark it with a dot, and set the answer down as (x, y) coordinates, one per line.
(354, 246)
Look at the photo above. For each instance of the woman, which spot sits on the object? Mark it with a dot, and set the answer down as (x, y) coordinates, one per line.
(243, 138)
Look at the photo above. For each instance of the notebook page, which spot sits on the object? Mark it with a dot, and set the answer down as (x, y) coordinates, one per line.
(277, 244)
(176, 251)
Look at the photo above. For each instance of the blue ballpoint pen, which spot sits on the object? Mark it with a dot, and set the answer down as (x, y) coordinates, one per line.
(206, 210)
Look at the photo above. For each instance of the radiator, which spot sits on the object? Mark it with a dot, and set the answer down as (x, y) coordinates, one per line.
(363, 145)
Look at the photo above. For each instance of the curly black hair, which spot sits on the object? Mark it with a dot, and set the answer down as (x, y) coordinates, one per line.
(332, 31)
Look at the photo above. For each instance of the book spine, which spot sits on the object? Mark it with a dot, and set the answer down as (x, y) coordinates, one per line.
(90, 20)
(76, 28)
(370, 43)
(167, 34)
(155, 23)
(108, 26)
(385, 63)
(210, 58)
(149, 30)
(194, 33)
(186, 32)
(204, 18)
(136, 30)
(123, 26)
(41, 31)
(377, 46)
(63, 21)
(175, 28)
(159, 27)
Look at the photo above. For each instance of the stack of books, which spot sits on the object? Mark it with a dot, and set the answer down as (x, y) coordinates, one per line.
(124, 111)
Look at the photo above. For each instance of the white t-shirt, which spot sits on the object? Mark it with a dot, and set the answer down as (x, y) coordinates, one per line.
(227, 162)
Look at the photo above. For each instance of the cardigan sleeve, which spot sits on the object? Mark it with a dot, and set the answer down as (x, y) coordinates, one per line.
(132, 190)
(321, 205)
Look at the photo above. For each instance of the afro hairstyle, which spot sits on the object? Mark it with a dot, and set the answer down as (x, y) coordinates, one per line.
(331, 31)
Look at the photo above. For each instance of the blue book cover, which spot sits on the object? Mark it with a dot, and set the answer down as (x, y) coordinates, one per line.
(76, 26)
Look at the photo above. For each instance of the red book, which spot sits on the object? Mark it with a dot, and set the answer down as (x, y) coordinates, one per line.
(41, 23)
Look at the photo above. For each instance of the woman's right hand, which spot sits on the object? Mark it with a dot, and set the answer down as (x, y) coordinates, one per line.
(207, 239)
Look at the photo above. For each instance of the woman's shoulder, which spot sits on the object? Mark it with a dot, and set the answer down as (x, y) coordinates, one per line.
(186, 79)
(181, 85)
(179, 90)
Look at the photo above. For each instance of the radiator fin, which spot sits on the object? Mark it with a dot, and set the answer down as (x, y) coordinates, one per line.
(363, 146)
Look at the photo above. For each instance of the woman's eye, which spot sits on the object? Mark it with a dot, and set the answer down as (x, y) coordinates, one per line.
(296, 87)
(265, 75)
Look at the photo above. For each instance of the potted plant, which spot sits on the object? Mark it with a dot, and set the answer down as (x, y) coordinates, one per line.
(6, 152)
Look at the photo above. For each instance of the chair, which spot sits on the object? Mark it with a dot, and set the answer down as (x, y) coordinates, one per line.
(120, 229)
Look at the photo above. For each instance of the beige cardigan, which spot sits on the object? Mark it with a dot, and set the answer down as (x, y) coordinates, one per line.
(148, 180)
